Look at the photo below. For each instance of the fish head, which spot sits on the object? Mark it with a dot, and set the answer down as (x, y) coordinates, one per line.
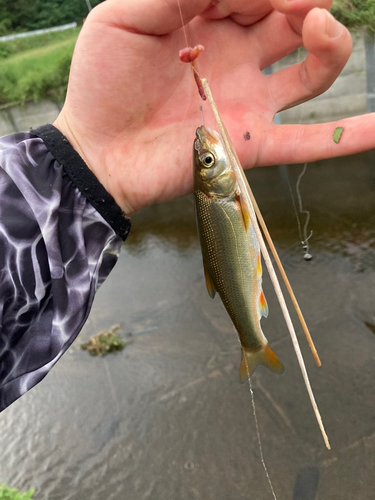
(213, 174)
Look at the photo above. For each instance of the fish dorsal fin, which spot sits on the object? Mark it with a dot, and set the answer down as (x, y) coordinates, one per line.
(243, 209)
(209, 283)
(263, 306)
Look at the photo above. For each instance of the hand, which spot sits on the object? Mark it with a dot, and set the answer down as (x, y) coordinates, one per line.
(132, 107)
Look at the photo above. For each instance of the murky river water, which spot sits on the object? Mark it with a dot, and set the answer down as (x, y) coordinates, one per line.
(166, 419)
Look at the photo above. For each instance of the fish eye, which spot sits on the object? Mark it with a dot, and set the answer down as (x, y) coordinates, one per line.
(207, 160)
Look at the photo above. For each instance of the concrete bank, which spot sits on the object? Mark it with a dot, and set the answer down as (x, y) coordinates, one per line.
(352, 94)
(31, 115)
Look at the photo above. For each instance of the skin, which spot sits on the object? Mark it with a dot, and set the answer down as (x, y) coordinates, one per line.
(132, 106)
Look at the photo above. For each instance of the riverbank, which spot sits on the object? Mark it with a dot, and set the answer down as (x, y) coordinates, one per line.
(36, 68)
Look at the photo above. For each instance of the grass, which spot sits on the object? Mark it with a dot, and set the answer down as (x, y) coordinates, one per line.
(8, 49)
(40, 72)
(355, 14)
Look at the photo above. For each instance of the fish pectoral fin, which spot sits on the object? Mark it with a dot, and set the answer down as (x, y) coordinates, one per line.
(244, 212)
(263, 306)
(265, 356)
(209, 283)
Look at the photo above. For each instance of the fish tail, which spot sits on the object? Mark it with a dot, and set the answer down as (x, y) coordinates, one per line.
(264, 356)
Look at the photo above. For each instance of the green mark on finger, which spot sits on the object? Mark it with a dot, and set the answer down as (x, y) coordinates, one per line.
(337, 134)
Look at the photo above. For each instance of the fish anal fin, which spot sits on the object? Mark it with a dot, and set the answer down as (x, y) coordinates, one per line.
(244, 212)
(264, 356)
(209, 283)
(263, 306)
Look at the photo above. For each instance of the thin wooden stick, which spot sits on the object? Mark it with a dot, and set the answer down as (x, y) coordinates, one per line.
(244, 187)
(240, 172)
(285, 278)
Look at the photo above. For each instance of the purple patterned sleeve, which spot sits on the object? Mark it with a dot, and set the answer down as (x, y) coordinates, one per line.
(55, 251)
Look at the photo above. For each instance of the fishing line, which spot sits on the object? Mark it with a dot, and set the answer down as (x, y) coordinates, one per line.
(249, 379)
(294, 202)
(259, 440)
(302, 232)
(305, 240)
(189, 54)
(182, 23)
(201, 110)
(233, 158)
(258, 433)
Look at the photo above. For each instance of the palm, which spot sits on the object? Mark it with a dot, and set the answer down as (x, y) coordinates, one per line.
(136, 105)
(148, 134)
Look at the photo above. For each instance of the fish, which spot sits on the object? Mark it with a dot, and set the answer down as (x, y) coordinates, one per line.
(230, 250)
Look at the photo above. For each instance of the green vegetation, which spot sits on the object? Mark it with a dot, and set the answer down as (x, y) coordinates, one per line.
(12, 47)
(23, 15)
(355, 13)
(105, 342)
(7, 493)
(36, 68)
(38, 73)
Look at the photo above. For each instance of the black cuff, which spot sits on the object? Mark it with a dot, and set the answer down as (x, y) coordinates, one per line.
(84, 179)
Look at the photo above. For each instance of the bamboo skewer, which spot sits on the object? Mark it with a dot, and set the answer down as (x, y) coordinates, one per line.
(285, 278)
(245, 188)
(269, 240)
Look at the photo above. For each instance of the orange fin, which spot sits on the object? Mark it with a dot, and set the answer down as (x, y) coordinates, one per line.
(259, 265)
(265, 356)
(263, 306)
(209, 283)
(244, 212)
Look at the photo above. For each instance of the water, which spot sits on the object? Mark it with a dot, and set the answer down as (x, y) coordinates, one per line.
(167, 418)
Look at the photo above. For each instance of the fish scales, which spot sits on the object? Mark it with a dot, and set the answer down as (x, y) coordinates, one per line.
(230, 249)
(231, 263)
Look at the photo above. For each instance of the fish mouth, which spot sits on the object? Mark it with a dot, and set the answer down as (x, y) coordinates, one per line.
(206, 139)
(205, 134)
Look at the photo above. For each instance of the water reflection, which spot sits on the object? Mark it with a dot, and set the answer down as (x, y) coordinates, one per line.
(338, 193)
(170, 225)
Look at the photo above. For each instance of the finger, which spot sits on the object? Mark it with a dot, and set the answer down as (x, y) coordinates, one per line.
(330, 45)
(240, 11)
(306, 143)
(148, 16)
(296, 10)
(280, 33)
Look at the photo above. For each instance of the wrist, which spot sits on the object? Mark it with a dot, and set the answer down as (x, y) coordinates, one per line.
(89, 148)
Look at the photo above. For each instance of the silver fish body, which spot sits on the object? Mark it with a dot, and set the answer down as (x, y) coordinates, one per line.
(230, 249)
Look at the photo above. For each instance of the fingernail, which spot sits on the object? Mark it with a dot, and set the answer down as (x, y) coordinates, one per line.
(333, 27)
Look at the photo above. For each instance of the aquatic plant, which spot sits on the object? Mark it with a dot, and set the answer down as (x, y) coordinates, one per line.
(104, 342)
(7, 493)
